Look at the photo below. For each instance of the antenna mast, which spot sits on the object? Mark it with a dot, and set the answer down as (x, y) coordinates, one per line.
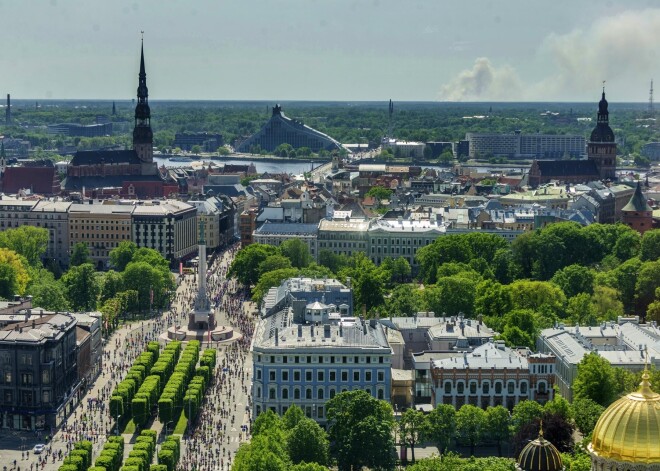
(391, 112)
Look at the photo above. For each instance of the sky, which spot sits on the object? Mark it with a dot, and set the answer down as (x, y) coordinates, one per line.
(339, 50)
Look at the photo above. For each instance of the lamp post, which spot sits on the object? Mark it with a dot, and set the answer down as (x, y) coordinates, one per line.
(117, 424)
(166, 426)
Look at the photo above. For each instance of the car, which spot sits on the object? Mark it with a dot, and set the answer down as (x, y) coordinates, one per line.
(38, 448)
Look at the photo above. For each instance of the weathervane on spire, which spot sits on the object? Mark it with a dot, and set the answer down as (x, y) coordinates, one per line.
(604, 85)
(142, 33)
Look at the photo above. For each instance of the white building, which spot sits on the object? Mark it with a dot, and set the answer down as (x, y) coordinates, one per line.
(526, 145)
(309, 351)
(623, 344)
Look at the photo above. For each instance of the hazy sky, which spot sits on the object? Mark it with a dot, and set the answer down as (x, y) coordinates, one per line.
(457, 50)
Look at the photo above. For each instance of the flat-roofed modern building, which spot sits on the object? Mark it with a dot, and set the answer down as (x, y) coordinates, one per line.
(309, 351)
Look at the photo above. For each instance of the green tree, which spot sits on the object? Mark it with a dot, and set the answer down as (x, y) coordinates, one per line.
(492, 299)
(150, 282)
(540, 296)
(307, 442)
(269, 280)
(113, 283)
(361, 431)
(27, 241)
(605, 302)
(498, 426)
(581, 310)
(14, 276)
(574, 279)
(404, 301)
(274, 262)
(79, 255)
(647, 282)
(297, 252)
(596, 380)
(398, 268)
(623, 278)
(442, 426)
(245, 267)
(292, 416)
(650, 246)
(196, 149)
(471, 425)
(450, 248)
(457, 293)
(627, 245)
(413, 427)
(380, 193)
(122, 255)
(525, 412)
(334, 262)
(81, 287)
(49, 294)
(586, 413)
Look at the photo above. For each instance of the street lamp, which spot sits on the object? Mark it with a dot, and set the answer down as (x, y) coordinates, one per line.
(166, 424)
(117, 424)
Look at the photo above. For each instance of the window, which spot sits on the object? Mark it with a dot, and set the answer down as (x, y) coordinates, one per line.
(308, 376)
(7, 376)
(308, 393)
(296, 375)
(367, 375)
(45, 377)
(46, 397)
(381, 395)
(258, 392)
(381, 376)
(320, 376)
(473, 388)
(498, 388)
(485, 388)
(523, 388)
(259, 374)
(333, 376)
(510, 387)
(285, 393)
(271, 375)
(356, 376)
(460, 388)
(447, 387)
(344, 376)
(296, 393)
(332, 393)
(320, 394)
(285, 375)
(320, 412)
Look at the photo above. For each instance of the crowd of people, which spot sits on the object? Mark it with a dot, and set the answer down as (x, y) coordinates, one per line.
(208, 445)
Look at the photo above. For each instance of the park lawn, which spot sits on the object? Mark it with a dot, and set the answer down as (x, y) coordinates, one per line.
(130, 427)
(181, 424)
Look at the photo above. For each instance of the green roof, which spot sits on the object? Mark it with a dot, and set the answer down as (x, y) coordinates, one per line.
(637, 201)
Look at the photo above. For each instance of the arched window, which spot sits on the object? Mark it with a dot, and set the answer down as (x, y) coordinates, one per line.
(308, 393)
(381, 394)
(332, 393)
(447, 387)
(320, 394)
(498, 388)
(285, 393)
(523, 388)
(542, 388)
(485, 387)
(296, 393)
(510, 387)
(473, 387)
(258, 392)
(271, 393)
(460, 388)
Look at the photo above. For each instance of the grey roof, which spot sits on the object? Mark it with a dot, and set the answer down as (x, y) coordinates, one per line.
(637, 202)
(109, 181)
(488, 356)
(566, 168)
(46, 327)
(287, 229)
(346, 335)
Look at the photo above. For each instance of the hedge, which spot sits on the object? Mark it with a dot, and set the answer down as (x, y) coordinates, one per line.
(74, 460)
(150, 434)
(129, 468)
(135, 461)
(105, 461)
(87, 446)
(86, 458)
(166, 457)
(97, 468)
(145, 446)
(158, 467)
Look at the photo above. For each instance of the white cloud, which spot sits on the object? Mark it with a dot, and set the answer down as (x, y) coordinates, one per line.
(621, 49)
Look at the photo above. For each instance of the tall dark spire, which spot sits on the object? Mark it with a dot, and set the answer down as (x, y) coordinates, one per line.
(142, 133)
(602, 132)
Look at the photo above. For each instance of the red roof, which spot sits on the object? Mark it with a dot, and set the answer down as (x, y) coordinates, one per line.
(36, 179)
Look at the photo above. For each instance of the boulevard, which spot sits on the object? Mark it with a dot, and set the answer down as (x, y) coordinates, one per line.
(223, 422)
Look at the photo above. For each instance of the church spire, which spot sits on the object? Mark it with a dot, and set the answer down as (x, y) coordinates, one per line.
(142, 133)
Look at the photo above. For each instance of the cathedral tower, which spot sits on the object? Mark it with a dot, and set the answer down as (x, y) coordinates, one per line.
(142, 134)
(602, 148)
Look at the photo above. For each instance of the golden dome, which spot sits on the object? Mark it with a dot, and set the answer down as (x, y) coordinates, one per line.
(540, 455)
(629, 430)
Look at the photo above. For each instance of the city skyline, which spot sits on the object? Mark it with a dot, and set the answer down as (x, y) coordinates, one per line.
(344, 51)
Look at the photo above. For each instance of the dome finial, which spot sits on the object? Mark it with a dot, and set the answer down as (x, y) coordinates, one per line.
(645, 385)
(541, 429)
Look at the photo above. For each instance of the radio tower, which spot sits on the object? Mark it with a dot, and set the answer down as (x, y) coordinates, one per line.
(391, 112)
(651, 100)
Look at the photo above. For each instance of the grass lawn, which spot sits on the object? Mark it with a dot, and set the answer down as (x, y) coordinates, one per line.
(130, 427)
(181, 424)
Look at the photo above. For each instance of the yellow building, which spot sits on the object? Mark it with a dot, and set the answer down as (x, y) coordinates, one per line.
(627, 435)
